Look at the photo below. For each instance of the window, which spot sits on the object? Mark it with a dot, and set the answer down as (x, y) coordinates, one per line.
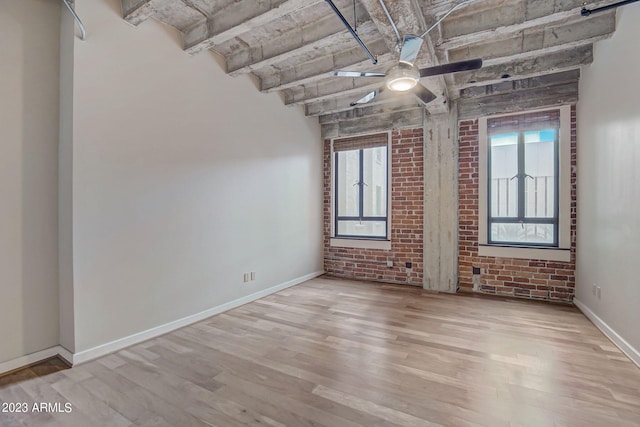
(523, 187)
(525, 162)
(360, 182)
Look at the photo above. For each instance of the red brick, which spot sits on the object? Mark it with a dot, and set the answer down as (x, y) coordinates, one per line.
(520, 276)
(407, 198)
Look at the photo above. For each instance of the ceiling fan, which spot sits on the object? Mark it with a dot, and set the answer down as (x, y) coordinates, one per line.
(405, 76)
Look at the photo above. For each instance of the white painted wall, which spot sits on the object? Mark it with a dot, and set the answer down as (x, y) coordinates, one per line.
(183, 179)
(609, 180)
(28, 176)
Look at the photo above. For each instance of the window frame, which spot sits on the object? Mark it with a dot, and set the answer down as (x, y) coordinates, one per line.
(561, 252)
(361, 242)
(521, 218)
(360, 217)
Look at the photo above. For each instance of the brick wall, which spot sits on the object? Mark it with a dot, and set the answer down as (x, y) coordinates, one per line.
(528, 278)
(407, 204)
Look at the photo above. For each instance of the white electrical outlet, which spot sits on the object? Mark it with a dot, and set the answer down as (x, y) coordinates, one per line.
(246, 277)
(253, 275)
(389, 263)
(594, 289)
(599, 292)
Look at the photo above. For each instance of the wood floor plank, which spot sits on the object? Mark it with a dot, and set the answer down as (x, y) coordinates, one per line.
(333, 352)
(144, 400)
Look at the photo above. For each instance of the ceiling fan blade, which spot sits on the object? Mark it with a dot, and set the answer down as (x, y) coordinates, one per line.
(424, 94)
(410, 47)
(357, 74)
(453, 67)
(368, 97)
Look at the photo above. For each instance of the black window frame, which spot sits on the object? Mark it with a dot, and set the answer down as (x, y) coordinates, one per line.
(361, 185)
(521, 218)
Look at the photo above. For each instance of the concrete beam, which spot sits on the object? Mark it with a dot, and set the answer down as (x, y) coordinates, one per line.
(294, 45)
(342, 102)
(238, 18)
(409, 19)
(454, 89)
(298, 46)
(322, 67)
(326, 89)
(179, 15)
(323, 86)
(521, 100)
(137, 11)
(545, 81)
(483, 15)
(402, 119)
(568, 36)
(477, 28)
(529, 66)
(391, 105)
(403, 14)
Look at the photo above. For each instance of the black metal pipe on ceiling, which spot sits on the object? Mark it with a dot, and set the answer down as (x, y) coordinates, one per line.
(587, 12)
(351, 30)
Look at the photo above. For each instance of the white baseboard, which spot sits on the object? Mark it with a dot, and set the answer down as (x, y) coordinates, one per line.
(620, 342)
(65, 354)
(113, 346)
(29, 359)
(104, 349)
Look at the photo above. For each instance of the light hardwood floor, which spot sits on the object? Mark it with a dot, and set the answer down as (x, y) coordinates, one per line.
(333, 353)
(40, 369)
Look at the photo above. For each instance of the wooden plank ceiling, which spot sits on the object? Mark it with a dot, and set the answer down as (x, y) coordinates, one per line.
(532, 49)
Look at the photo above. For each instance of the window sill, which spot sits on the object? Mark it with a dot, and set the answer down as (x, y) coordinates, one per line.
(361, 244)
(560, 255)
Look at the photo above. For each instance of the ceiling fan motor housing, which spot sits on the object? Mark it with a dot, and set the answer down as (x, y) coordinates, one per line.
(402, 77)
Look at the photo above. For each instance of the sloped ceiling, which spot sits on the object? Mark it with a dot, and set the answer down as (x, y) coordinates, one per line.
(532, 50)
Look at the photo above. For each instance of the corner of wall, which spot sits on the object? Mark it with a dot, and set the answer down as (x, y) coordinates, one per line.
(65, 184)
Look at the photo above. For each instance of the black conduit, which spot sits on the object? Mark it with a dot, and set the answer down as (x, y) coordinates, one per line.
(353, 33)
(587, 12)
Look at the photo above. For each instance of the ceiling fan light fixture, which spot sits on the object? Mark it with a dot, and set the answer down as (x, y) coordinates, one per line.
(401, 84)
(402, 77)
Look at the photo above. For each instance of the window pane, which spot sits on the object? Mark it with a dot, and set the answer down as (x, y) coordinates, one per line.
(362, 228)
(504, 167)
(517, 233)
(540, 181)
(348, 174)
(375, 178)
